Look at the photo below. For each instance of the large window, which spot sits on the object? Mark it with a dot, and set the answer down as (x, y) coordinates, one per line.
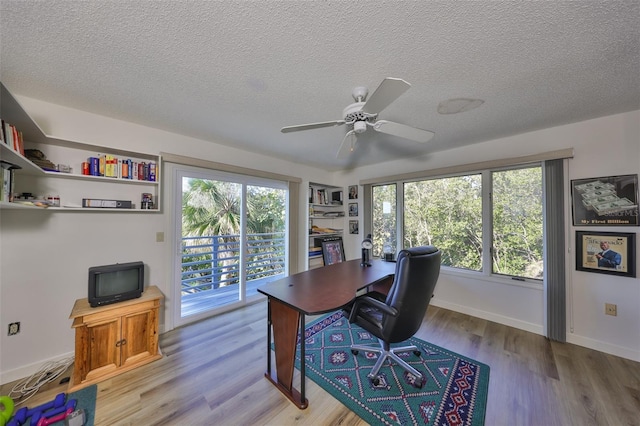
(446, 213)
(384, 219)
(488, 221)
(517, 222)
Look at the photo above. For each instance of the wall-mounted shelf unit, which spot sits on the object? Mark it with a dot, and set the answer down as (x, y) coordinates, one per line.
(72, 188)
(326, 218)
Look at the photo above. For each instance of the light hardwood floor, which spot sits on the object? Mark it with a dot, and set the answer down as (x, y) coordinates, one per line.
(212, 374)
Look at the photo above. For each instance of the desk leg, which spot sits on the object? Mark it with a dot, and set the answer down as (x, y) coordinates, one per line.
(285, 321)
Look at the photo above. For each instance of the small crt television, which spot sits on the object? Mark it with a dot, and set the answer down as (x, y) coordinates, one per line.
(115, 283)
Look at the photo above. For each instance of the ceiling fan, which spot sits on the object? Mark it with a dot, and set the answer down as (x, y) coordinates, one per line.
(364, 112)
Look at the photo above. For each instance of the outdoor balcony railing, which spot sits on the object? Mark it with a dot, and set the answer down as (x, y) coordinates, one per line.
(211, 268)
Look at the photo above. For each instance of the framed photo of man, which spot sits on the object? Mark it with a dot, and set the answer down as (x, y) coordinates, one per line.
(605, 201)
(353, 226)
(606, 253)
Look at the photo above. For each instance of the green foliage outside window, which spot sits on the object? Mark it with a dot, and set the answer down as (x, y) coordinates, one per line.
(384, 218)
(212, 210)
(517, 222)
(446, 213)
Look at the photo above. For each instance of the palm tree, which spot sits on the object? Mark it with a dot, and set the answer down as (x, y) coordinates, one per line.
(212, 208)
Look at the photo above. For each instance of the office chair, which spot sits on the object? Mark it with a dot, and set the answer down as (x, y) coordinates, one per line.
(397, 316)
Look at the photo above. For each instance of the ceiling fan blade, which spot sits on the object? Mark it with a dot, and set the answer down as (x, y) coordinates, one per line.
(388, 91)
(348, 144)
(311, 126)
(403, 131)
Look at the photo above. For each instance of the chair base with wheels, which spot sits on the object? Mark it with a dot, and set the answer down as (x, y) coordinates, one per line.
(386, 353)
(397, 316)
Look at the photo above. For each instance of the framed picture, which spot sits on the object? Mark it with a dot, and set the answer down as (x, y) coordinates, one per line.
(353, 226)
(605, 201)
(353, 192)
(353, 209)
(332, 252)
(606, 253)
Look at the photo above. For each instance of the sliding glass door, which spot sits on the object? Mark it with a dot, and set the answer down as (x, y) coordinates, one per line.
(231, 237)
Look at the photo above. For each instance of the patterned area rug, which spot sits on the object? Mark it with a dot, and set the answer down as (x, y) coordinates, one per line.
(454, 392)
(86, 398)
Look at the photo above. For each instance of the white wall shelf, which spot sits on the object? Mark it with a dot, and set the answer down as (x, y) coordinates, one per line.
(71, 187)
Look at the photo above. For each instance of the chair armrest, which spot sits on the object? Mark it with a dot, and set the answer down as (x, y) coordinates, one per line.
(370, 301)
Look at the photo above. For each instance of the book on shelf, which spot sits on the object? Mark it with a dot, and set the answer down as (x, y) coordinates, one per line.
(121, 168)
(316, 262)
(318, 196)
(12, 137)
(6, 190)
(315, 251)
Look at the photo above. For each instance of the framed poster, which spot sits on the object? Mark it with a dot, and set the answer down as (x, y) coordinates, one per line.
(353, 209)
(332, 252)
(606, 253)
(353, 226)
(353, 192)
(605, 201)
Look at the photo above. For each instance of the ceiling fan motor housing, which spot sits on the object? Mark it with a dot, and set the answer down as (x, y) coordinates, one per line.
(353, 114)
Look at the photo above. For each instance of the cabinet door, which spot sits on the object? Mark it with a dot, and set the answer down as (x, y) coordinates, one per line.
(139, 336)
(104, 347)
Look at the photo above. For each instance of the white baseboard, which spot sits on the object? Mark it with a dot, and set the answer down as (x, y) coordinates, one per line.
(608, 348)
(537, 329)
(28, 370)
(489, 316)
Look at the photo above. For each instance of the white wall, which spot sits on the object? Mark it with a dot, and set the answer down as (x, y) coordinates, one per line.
(604, 146)
(44, 256)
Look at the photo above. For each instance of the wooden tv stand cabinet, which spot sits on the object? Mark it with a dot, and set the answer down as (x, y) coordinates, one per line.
(114, 338)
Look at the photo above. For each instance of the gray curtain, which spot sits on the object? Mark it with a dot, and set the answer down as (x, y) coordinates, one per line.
(556, 300)
(367, 207)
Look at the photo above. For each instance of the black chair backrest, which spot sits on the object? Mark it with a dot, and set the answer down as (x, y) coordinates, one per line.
(417, 272)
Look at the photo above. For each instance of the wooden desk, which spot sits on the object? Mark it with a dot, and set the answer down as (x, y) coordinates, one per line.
(312, 292)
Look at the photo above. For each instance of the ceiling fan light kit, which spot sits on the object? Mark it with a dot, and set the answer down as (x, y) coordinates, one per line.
(359, 126)
(364, 113)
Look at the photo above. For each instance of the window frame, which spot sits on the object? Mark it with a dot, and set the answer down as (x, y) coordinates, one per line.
(487, 220)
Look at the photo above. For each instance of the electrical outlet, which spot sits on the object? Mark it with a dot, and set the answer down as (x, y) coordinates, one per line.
(611, 309)
(14, 328)
(159, 237)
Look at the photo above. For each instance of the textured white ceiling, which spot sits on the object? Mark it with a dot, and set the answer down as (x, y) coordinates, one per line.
(235, 72)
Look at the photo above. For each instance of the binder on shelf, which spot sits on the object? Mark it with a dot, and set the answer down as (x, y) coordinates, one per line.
(106, 204)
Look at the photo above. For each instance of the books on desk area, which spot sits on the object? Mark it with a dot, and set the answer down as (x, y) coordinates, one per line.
(315, 257)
